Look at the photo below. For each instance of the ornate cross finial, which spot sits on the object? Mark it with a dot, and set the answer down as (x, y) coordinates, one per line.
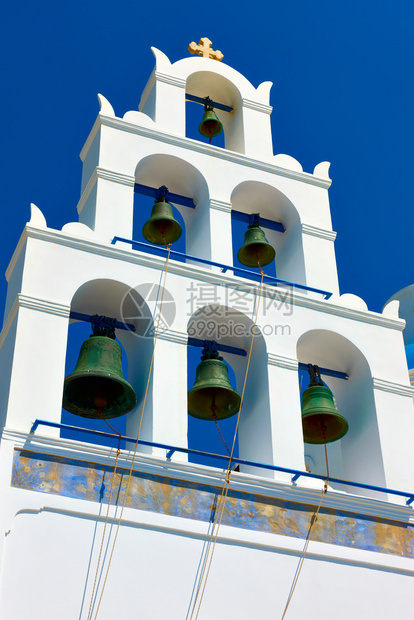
(204, 49)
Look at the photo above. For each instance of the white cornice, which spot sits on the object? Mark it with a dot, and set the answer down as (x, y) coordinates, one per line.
(212, 277)
(219, 205)
(330, 235)
(210, 476)
(33, 303)
(107, 175)
(210, 150)
(259, 107)
(173, 336)
(282, 362)
(394, 388)
(170, 79)
(43, 305)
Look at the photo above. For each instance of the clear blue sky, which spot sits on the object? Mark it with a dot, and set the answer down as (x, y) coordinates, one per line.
(343, 92)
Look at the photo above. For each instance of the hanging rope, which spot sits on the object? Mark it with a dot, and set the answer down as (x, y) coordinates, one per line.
(312, 523)
(214, 417)
(118, 452)
(138, 434)
(222, 500)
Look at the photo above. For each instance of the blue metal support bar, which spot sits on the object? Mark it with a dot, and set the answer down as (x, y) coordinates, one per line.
(145, 190)
(214, 104)
(224, 268)
(296, 474)
(196, 342)
(78, 316)
(326, 371)
(264, 223)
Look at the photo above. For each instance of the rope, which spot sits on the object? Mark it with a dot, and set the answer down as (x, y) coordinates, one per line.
(118, 452)
(222, 500)
(214, 417)
(312, 522)
(222, 438)
(137, 439)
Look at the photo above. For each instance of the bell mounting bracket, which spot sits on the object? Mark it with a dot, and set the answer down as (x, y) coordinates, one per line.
(210, 351)
(208, 104)
(254, 220)
(103, 326)
(162, 192)
(315, 375)
(207, 101)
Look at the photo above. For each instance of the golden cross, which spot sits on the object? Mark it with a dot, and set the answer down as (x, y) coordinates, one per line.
(204, 49)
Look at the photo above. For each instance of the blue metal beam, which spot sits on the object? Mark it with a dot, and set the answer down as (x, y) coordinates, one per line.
(327, 371)
(224, 268)
(146, 190)
(196, 342)
(264, 223)
(214, 104)
(296, 473)
(78, 316)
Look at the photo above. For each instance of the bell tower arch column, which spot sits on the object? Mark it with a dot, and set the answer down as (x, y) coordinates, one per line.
(220, 231)
(165, 414)
(34, 344)
(285, 408)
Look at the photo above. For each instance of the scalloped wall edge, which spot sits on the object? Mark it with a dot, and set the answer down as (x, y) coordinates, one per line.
(105, 106)
(36, 217)
(161, 59)
(322, 170)
(391, 309)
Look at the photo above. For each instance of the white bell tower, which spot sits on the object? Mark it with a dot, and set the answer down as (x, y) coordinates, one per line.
(166, 513)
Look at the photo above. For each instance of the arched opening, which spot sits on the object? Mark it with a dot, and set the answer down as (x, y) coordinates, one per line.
(357, 456)
(220, 89)
(255, 197)
(229, 327)
(116, 300)
(181, 178)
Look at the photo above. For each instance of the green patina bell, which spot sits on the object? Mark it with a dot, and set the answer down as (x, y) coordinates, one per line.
(161, 228)
(210, 126)
(97, 388)
(321, 422)
(256, 248)
(212, 397)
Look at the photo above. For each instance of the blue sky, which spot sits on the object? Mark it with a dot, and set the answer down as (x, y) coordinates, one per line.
(343, 92)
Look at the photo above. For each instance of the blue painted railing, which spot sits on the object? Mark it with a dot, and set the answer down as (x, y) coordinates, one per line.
(296, 474)
(236, 270)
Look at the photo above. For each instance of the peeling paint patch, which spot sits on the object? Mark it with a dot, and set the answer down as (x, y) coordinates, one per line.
(170, 496)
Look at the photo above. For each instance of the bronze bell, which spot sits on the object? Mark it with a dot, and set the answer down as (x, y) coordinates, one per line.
(97, 388)
(321, 422)
(210, 126)
(212, 397)
(161, 228)
(256, 248)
